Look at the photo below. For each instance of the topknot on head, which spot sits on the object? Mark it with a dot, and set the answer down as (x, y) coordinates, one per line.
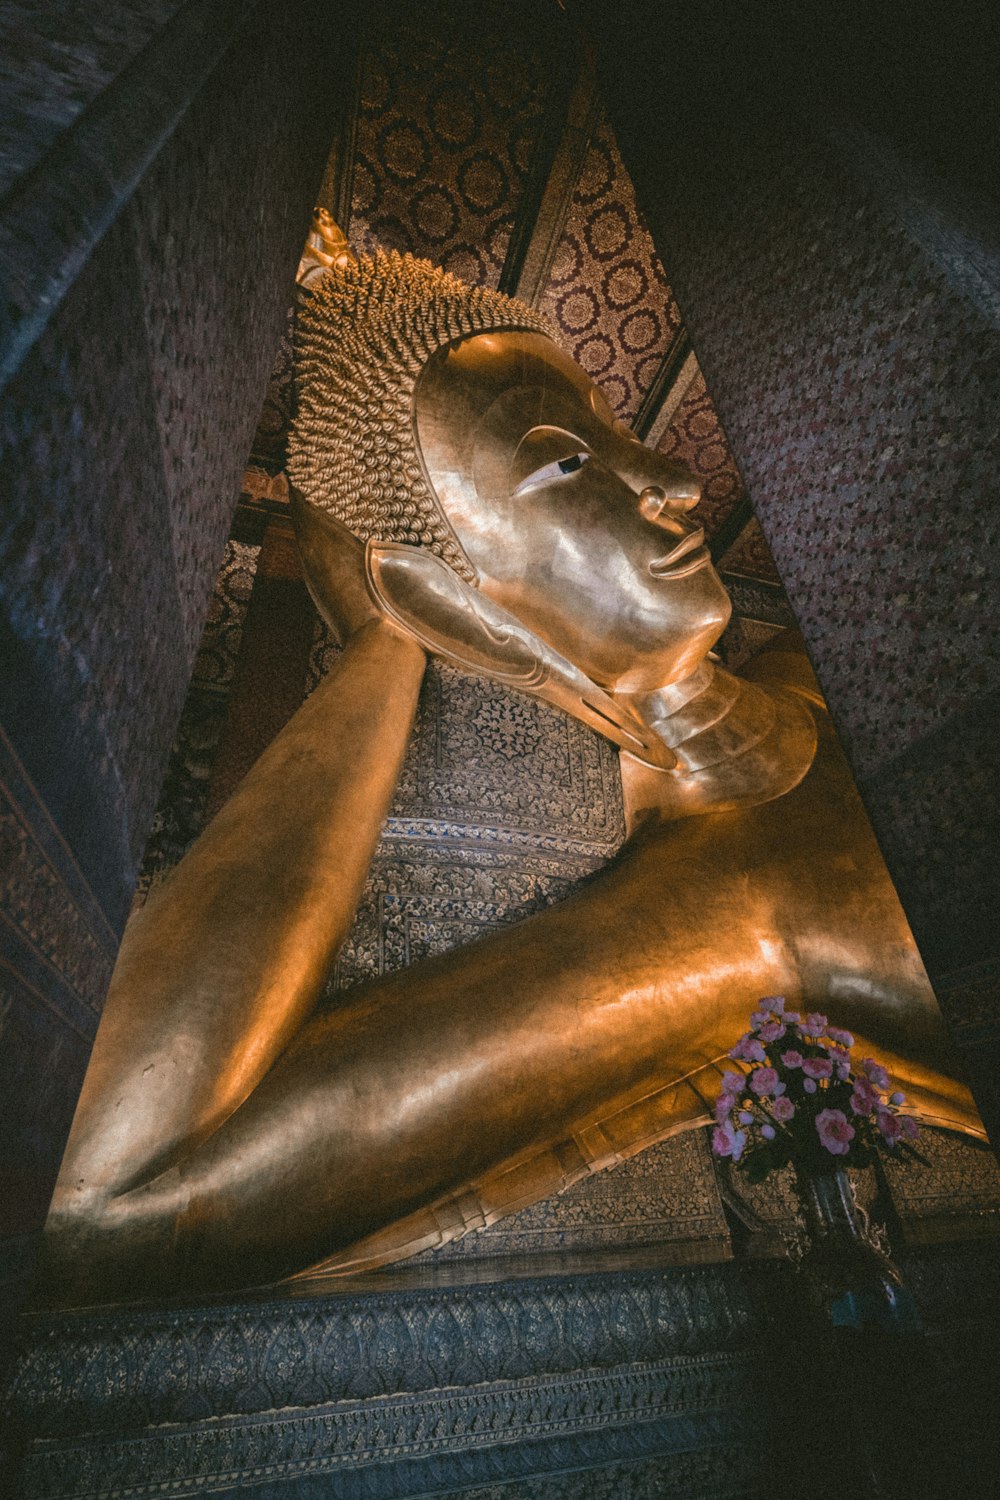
(363, 335)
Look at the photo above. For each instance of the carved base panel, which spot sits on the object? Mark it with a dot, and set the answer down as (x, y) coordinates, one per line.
(426, 1444)
(420, 1388)
(452, 1379)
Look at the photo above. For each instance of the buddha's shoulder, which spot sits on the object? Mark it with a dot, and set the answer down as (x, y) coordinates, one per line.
(784, 662)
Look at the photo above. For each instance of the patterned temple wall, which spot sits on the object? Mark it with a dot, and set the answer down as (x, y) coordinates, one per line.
(148, 240)
(842, 291)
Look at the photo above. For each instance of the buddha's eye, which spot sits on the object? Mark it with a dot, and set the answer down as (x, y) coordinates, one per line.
(554, 470)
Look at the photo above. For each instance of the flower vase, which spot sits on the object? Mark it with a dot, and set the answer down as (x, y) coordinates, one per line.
(846, 1268)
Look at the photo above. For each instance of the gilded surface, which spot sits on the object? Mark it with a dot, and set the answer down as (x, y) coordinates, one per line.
(230, 1132)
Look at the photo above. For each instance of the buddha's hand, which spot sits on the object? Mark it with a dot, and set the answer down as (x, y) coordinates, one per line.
(325, 247)
(333, 562)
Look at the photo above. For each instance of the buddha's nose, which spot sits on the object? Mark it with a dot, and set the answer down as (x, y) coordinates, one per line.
(665, 510)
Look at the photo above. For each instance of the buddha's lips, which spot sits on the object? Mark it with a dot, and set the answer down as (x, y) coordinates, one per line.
(689, 553)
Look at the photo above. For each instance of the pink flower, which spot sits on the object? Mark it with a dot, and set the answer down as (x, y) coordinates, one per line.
(732, 1083)
(841, 1062)
(765, 1081)
(809, 1085)
(792, 1018)
(834, 1131)
(890, 1125)
(770, 1006)
(817, 1067)
(748, 1049)
(910, 1127)
(772, 1032)
(815, 1024)
(791, 1058)
(867, 1098)
(783, 1109)
(768, 1132)
(728, 1142)
(723, 1107)
(875, 1073)
(844, 1038)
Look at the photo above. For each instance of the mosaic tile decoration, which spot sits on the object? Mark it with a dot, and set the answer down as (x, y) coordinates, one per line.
(270, 439)
(88, 587)
(451, 102)
(695, 439)
(666, 1194)
(503, 805)
(50, 73)
(56, 953)
(856, 374)
(180, 814)
(872, 403)
(608, 295)
(124, 432)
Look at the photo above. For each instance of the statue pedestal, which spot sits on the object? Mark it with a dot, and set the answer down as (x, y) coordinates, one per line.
(400, 1383)
(653, 1378)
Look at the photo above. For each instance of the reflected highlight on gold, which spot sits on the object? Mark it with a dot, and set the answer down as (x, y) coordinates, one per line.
(465, 491)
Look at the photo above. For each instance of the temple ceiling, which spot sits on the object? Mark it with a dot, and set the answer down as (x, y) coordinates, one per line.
(479, 141)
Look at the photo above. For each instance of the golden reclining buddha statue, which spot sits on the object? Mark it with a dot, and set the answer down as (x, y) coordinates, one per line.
(462, 488)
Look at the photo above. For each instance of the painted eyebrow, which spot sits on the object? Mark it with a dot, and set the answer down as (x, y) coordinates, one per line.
(553, 470)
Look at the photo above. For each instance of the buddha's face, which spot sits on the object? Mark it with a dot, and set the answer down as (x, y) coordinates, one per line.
(571, 524)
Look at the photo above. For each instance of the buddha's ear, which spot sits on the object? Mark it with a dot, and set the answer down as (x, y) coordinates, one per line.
(450, 618)
(333, 563)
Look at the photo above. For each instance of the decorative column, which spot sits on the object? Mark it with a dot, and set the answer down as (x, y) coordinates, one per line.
(818, 192)
(158, 181)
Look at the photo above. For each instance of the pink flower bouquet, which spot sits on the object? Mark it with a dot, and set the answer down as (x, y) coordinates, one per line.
(792, 1095)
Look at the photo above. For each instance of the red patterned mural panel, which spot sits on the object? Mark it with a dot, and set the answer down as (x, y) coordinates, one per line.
(608, 295)
(452, 99)
(696, 439)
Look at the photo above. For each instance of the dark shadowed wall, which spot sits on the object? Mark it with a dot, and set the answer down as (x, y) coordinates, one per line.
(159, 167)
(820, 191)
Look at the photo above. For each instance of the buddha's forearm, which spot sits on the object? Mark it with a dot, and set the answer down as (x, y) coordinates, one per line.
(228, 957)
(436, 1074)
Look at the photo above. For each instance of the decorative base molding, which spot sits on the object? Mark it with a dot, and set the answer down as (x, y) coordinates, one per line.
(437, 1381)
(401, 1445)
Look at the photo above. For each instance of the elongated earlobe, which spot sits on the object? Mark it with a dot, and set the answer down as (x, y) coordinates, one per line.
(453, 620)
